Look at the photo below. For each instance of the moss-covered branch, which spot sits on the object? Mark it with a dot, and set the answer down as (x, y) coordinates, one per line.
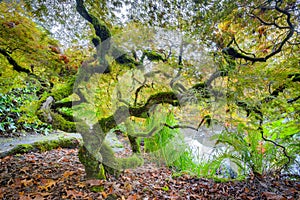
(153, 56)
(11, 61)
(123, 112)
(101, 29)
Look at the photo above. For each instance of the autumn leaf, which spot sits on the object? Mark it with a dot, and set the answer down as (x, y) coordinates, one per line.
(81, 184)
(26, 183)
(104, 195)
(68, 173)
(73, 194)
(47, 183)
(94, 182)
(23, 197)
(273, 196)
(24, 169)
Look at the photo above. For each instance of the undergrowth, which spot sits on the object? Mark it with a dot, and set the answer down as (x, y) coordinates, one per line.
(17, 112)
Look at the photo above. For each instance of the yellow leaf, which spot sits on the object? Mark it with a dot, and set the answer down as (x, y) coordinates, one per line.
(26, 183)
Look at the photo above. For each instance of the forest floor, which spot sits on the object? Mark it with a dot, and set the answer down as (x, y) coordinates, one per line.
(58, 174)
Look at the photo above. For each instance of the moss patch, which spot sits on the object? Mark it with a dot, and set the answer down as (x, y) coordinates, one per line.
(60, 123)
(22, 148)
(53, 144)
(44, 146)
(93, 168)
(63, 91)
(153, 56)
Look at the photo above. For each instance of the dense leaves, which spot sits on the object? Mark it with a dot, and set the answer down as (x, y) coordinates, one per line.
(15, 118)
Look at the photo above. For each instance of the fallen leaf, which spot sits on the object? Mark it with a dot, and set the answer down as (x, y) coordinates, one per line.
(273, 196)
(24, 197)
(93, 182)
(5, 159)
(104, 195)
(47, 184)
(80, 184)
(68, 173)
(74, 193)
(247, 190)
(128, 186)
(24, 169)
(26, 183)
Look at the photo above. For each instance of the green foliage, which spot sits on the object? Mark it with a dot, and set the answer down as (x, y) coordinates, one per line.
(14, 116)
(166, 145)
(32, 46)
(63, 90)
(186, 164)
(250, 152)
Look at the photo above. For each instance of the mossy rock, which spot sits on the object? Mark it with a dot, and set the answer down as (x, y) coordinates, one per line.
(43, 146)
(153, 55)
(22, 148)
(53, 144)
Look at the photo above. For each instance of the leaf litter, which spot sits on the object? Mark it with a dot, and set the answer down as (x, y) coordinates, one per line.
(58, 174)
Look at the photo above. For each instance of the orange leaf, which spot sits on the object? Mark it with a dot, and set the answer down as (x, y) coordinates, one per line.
(48, 183)
(111, 189)
(65, 159)
(68, 173)
(104, 195)
(5, 159)
(247, 190)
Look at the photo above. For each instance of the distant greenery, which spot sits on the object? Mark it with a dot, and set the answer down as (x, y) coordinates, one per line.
(17, 109)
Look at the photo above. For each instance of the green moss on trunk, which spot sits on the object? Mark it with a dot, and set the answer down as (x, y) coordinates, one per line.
(93, 168)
